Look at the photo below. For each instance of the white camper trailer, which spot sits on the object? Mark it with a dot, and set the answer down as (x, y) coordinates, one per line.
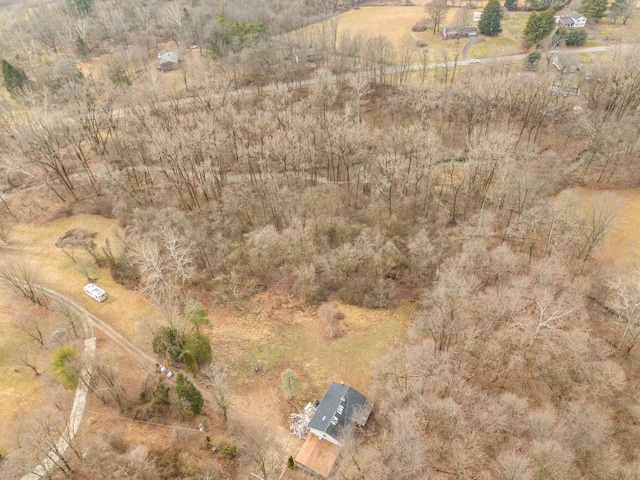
(95, 292)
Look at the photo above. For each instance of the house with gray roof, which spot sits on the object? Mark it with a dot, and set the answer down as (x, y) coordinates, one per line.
(457, 31)
(571, 20)
(168, 61)
(341, 407)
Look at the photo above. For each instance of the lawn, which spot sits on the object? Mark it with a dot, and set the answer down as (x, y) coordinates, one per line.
(20, 388)
(34, 245)
(395, 22)
(294, 338)
(616, 32)
(276, 331)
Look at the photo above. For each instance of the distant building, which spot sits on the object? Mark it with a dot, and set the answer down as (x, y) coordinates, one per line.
(341, 407)
(168, 61)
(477, 16)
(455, 31)
(572, 20)
(310, 55)
(565, 90)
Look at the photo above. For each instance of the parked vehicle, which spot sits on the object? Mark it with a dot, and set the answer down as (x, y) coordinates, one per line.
(95, 292)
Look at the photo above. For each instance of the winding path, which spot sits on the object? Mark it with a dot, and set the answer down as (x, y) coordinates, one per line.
(80, 399)
(90, 323)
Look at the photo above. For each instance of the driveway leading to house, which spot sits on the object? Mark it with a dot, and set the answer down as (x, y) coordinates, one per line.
(80, 399)
(472, 41)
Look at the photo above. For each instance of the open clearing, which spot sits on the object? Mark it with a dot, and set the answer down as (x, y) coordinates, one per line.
(622, 244)
(274, 332)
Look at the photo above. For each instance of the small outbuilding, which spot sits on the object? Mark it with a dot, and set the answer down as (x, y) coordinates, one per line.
(168, 61)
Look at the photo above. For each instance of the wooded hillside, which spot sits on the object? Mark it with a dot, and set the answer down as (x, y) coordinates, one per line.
(440, 187)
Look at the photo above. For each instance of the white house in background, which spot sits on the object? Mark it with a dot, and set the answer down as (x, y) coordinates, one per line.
(477, 16)
(572, 20)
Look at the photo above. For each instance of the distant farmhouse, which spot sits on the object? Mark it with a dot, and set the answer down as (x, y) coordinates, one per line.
(572, 20)
(309, 55)
(455, 31)
(168, 61)
(341, 407)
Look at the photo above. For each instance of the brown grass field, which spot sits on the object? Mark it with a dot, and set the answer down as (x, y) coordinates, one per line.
(274, 332)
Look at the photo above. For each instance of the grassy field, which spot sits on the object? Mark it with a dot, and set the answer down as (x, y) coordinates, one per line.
(34, 245)
(395, 22)
(294, 338)
(274, 333)
(20, 390)
(622, 244)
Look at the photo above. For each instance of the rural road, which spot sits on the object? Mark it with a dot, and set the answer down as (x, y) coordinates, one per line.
(277, 86)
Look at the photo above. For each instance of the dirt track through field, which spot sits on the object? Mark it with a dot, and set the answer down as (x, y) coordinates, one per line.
(80, 399)
(238, 412)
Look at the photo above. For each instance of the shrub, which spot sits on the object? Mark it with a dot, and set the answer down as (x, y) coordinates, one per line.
(574, 37)
(188, 392)
(531, 61)
(421, 25)
(63, 361)
(228, 451)
(330, 317)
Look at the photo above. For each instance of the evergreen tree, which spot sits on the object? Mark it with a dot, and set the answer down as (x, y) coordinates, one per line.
(532, 60)
(83, 7)
(593, 9)
(14, 78)
(80, 47)
(511, 5)
(116, 73)
(196, 353)
(574, 36)
(539, 26)
(490, 23)
(188, 392)
(290, 383)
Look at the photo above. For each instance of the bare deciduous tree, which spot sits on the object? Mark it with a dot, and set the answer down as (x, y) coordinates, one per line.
(31, 325)
(261, 451)
(24, 281)
(625, 305)
(214, 378)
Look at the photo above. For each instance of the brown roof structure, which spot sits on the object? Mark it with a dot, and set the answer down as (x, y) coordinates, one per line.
(317, 456)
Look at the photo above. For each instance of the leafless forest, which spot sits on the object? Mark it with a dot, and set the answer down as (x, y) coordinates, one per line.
(437, 186)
